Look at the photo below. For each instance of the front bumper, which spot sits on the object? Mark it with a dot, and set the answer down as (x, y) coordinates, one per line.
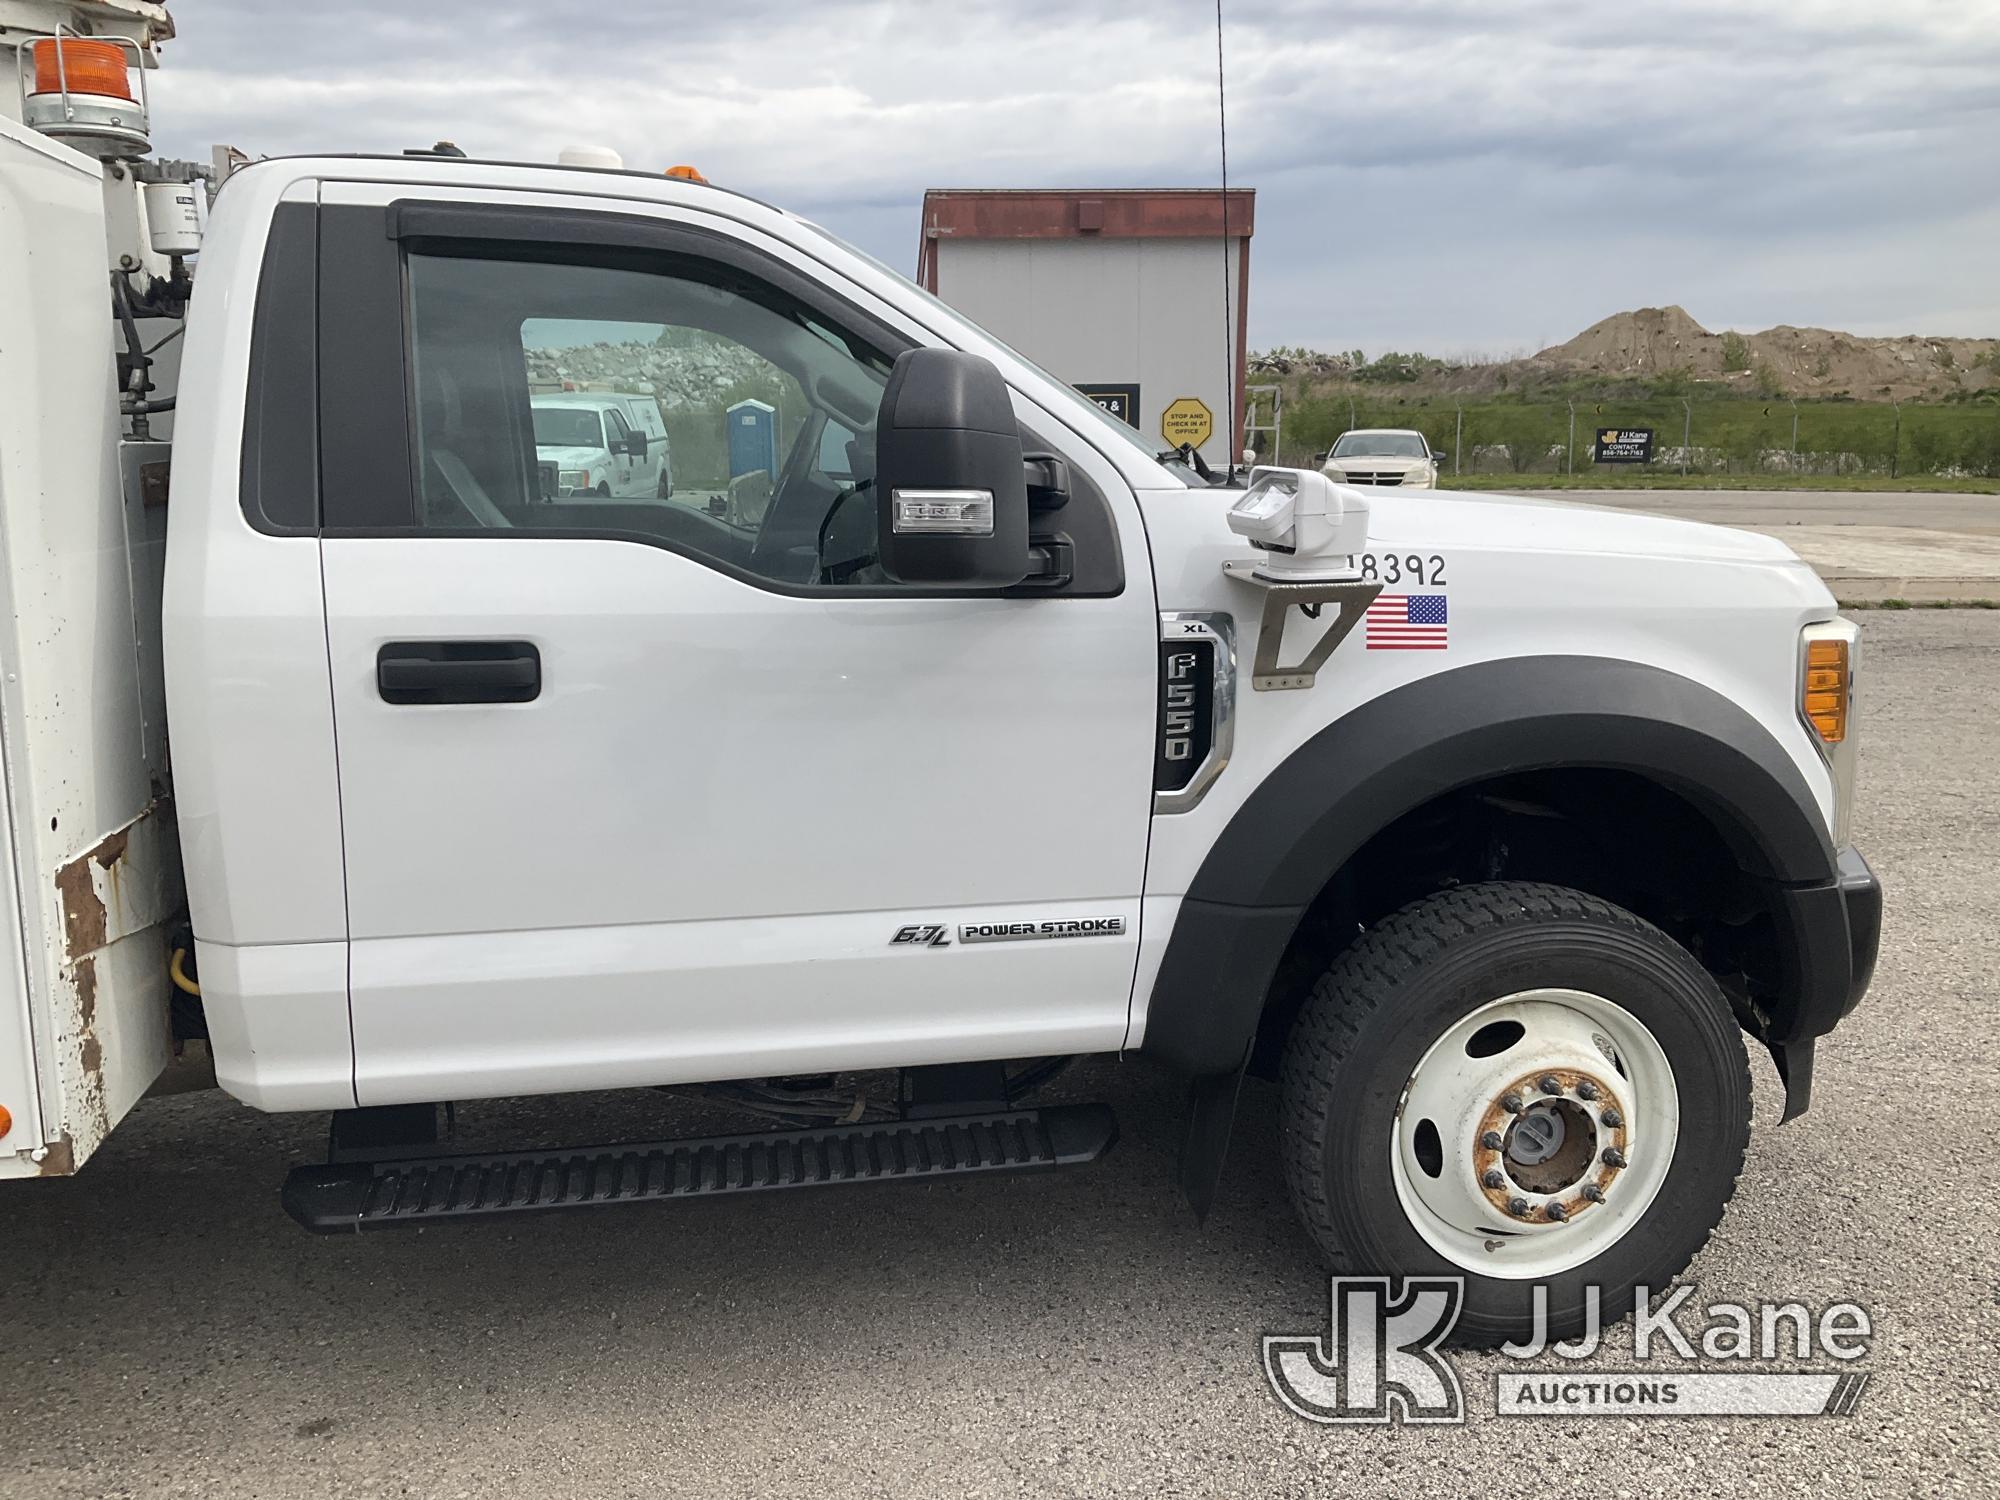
(1835, 933)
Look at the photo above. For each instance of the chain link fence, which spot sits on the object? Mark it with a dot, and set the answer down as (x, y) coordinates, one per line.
(1690, 436)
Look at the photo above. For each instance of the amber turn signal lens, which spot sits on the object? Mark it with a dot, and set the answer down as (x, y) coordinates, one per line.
(6, 1122)
(87, 67)
(1825, 689)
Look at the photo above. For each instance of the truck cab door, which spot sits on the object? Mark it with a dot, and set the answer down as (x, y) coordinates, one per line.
(661, 798)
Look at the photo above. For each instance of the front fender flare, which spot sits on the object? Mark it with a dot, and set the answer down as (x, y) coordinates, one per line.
(1419, 741)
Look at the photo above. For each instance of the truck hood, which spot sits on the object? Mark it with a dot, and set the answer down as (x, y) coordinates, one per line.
(573, 458)
(1190, 534)
(1382, 465)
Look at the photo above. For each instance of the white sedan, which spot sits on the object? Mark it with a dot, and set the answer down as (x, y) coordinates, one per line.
(1383, 455)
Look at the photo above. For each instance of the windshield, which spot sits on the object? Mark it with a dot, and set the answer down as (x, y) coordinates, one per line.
(1381, 445)
(567, 427)
(1099, 419)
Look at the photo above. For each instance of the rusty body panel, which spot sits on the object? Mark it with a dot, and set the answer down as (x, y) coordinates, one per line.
(1118, 213)
(115, 900)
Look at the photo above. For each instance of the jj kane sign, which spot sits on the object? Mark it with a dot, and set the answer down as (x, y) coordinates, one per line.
(1623, 445)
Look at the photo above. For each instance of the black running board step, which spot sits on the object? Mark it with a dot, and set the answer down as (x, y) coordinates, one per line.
(341, 1197)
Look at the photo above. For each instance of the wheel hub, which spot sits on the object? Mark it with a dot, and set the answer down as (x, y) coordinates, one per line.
(1556, 1152)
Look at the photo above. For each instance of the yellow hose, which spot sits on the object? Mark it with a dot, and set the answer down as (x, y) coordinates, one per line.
(179, 974)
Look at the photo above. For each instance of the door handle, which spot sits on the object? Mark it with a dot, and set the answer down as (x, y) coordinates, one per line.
(458, 672)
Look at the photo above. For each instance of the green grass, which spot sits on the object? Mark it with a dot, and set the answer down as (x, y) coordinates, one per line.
(1610, 477)
(1729, 438)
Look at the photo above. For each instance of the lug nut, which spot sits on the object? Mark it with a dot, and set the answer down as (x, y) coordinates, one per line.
(1586, 1090)
(1493, 1177)
(1612, 1118)
(1558, 1212)
(1518, 1207)
(1613, 1157)
(1511, 1102)
(1593, 1192)
(1549, 1084)
(1491, 1140)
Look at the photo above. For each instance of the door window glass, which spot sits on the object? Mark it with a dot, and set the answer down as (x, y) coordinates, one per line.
(506, 354)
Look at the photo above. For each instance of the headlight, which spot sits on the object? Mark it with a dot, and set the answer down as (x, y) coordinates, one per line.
(573, 479)
(1827, 653)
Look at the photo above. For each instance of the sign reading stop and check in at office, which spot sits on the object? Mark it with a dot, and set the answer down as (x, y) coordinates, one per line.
(1187, 419)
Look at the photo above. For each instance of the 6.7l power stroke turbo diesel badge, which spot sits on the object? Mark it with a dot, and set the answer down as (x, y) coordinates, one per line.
(1010, 932)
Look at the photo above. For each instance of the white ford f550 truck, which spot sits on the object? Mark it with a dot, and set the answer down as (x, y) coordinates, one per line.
(1488, 828)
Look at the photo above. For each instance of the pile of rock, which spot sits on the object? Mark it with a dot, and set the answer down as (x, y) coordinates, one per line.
(693, 377)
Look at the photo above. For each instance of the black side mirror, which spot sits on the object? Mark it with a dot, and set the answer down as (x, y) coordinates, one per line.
(635, 443)
(953, 496)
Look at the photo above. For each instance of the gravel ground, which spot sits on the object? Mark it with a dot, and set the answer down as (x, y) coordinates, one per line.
(164, 1330)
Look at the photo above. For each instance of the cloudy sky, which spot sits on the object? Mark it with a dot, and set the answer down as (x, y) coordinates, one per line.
(1480, 176)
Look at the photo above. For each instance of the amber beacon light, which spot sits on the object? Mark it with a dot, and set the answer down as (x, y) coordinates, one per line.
(81, 93)
(82, 67)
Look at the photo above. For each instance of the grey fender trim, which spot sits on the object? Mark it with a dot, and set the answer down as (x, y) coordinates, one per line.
(1397, 752)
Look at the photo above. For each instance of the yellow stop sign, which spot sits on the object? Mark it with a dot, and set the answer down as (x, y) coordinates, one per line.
(1187, 419)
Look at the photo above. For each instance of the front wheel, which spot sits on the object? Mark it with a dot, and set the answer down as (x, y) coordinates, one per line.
(1518, 1084)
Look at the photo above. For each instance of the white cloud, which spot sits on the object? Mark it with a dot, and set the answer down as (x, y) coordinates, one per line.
(1458, 174)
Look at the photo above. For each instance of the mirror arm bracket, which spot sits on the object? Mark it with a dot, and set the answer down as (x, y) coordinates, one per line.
(1051, 563)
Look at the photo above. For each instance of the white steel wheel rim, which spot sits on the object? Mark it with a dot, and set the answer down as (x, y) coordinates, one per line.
(1535, 1133)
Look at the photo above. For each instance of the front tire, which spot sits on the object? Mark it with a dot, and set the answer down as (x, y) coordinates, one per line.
(1518, 1084)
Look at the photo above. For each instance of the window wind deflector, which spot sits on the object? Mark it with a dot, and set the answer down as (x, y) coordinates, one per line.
(414, 219)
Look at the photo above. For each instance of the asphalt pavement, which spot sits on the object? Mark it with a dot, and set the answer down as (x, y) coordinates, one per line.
(166, 1331)
(1869, 546)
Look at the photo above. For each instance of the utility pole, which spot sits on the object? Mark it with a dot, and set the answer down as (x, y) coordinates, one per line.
(1687, 433)
(1896, 442)
(1795, 435)
(1458, 444)
(1569, 446)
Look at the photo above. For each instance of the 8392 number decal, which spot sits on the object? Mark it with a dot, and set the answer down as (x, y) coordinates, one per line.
(1404, 567)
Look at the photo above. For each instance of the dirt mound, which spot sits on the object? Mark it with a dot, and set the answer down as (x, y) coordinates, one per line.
(1657, 341)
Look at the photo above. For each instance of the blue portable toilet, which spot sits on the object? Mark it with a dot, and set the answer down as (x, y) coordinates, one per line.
(753, 438)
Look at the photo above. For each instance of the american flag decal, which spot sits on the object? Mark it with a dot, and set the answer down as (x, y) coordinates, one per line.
(1406, 622)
